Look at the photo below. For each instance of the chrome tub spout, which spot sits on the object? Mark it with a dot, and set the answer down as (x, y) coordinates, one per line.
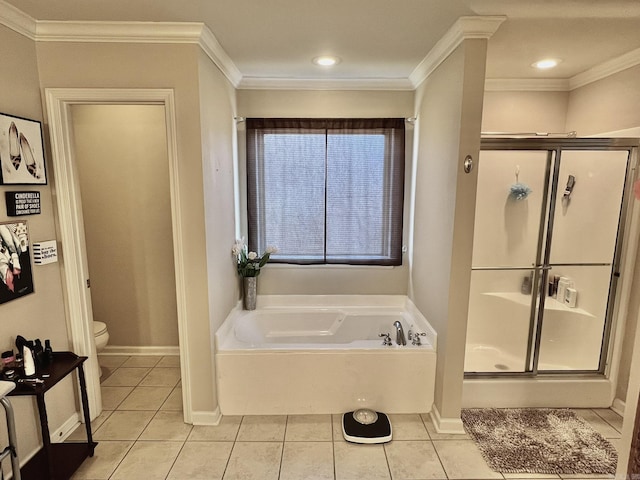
(400, 340)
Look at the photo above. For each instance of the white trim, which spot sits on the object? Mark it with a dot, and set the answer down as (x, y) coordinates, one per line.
(446, 425)
(526, 85)
(275, 83)
(618, 406)
(605, 69)
(206, 417)
(464, 28)
(210, 45)
(18, 21)
(69, 211)
(137, 350)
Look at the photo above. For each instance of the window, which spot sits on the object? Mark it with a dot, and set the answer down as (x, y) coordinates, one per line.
(327, 191)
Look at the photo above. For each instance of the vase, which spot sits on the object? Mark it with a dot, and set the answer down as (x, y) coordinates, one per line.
(249, 285)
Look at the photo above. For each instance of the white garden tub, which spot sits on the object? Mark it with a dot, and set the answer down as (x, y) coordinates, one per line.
(323, 354)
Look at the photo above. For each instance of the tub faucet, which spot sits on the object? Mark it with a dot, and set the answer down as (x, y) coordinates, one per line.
(400, 340)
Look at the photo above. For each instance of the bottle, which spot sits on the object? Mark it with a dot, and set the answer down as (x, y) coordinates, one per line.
(29, 363)
(525, 288)
(48, 351)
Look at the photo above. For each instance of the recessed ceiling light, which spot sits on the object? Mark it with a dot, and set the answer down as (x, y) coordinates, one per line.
(546, 63)
(326, 61)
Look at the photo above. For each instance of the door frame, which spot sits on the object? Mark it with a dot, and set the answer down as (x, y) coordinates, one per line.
(69, 219)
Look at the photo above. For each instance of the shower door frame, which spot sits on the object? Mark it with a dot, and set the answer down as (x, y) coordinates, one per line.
(554, 147)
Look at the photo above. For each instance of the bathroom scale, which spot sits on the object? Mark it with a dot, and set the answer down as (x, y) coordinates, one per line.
(366, 426)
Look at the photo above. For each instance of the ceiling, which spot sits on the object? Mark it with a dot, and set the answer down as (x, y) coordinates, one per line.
(379, 39)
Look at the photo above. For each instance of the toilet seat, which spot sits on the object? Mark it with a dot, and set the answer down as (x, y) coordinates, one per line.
(99, 328)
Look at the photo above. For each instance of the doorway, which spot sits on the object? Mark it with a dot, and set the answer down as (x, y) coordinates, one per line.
(550, 219)
(72, 231)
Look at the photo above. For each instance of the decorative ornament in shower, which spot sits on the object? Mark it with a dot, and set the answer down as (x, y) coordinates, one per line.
(519, 191)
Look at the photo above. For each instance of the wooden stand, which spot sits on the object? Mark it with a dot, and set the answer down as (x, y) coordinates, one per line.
(57, 461)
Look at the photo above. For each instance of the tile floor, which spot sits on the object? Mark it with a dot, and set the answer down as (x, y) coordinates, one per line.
(141, 436)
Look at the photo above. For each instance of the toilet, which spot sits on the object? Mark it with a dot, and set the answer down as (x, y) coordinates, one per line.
(101, 335)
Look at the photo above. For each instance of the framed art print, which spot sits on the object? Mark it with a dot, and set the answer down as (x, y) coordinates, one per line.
(21, 152)
(16, 279)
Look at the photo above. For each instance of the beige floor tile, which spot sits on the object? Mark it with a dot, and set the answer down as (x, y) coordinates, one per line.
(145, 398)
(169, 361)
(80, 433)
(461, 459)
(112, 361)
(308, 428)
(167, 426)
(106, 458)
(201, 461)
(336, 420)
(112, 397)
(142, 361)
(126, 377)
(441, 436)
(611, 417)
(174, 400)
(227, 430)
(254, 461)
(105, 372)
(123, 425)
(161, 377)
(262, 428)
(582, 476)
(413, 459)
(408, 427)
(598, 424)
(355, 462)
(307, 460)
(148, 460)
(616, 442)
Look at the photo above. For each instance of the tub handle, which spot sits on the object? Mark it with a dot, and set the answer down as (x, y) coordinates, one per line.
(386, 340)
(416, 338)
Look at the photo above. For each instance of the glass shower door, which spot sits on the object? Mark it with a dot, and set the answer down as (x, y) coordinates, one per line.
(510, 209)
(583, 237)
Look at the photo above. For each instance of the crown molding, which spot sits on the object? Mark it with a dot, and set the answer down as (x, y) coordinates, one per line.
(18, 21)
(464, 28)
(141, 32)
(526, 85)
(275, 83)
(605, 69)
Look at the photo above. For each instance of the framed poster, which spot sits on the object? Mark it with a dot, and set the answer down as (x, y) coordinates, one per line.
(21, 152)
(16, 278)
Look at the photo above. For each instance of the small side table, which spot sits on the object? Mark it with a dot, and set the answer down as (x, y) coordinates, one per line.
(57, 461)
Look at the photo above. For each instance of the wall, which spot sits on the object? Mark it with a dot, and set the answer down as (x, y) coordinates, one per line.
(217, 109)
(125, 65)
(121, 154)
(41, 314)
(449, 108)
(507, 111)
(299, 279)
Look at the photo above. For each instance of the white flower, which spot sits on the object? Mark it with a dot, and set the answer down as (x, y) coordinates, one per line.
(235, 250)
(252, 255)
(271, 249)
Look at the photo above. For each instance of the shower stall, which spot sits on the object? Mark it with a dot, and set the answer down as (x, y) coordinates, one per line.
(549, 227)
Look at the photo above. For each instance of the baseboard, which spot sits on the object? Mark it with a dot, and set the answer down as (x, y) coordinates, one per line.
(618, 406)
(446, 425)
(134, 350)
(206, 418)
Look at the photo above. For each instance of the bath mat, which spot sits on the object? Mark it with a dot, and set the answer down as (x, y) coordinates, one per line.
(539, 440)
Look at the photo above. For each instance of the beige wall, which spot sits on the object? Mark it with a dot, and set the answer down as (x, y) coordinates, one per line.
(121, 154)
(325, 280)
(524, 111)
(610, 104)
(449, 106)
(217, 109)
(40, 314)
(121, 65)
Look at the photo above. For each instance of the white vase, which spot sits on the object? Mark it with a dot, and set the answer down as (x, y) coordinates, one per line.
(249, 285)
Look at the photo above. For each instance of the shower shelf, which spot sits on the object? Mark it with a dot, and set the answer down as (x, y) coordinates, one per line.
(549, 303)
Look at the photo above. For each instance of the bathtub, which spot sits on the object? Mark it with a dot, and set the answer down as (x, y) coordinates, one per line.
(323, 354)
